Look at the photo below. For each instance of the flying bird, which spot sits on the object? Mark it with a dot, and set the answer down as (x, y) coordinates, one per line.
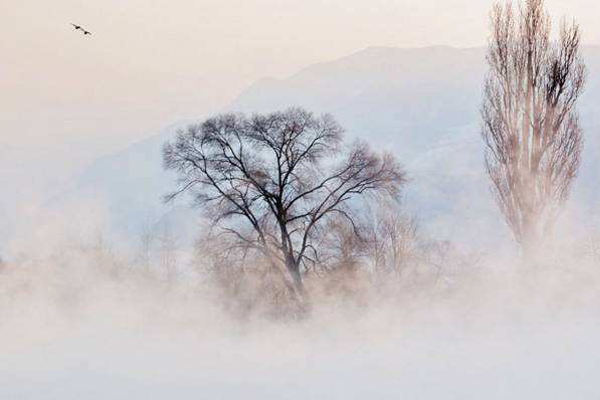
(80, 28)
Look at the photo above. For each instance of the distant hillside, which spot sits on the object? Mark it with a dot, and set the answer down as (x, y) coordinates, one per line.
(421, 104)
(398, 97)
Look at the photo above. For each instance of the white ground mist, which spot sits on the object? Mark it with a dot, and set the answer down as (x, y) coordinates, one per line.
(82, 320)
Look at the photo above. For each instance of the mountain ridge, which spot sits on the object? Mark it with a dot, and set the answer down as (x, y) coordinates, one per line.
(425, 109)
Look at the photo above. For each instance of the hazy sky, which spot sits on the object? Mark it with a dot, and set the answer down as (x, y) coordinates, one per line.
(154, 61)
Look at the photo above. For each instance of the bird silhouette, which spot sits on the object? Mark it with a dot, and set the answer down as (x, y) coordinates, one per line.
(80, 28)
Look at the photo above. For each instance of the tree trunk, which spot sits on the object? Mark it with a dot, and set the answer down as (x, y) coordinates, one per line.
(294, 270)
(530, 240)
(300, 292)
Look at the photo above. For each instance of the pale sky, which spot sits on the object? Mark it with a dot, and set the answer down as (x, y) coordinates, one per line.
(152, 62)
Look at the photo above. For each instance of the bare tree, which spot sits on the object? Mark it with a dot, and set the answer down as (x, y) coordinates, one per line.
(272, 181)
(167, 250)
(146, 242)
(530, 123)
(245, 281)
(392, 238)
(343, 245)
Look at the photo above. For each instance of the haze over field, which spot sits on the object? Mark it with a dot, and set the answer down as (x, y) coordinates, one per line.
(106, 291)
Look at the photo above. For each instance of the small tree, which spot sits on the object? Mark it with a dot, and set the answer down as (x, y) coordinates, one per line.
(271, 182)
(530, 124)
(392, 238)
